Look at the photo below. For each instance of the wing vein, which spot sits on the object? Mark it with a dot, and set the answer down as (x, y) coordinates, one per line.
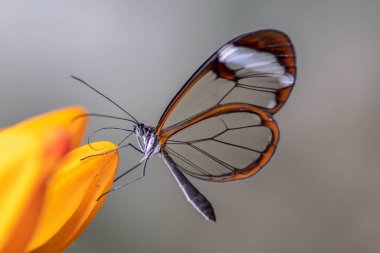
(224, 164)
(185, 160)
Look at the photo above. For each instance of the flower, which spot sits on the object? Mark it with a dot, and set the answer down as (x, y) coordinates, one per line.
(49, 187)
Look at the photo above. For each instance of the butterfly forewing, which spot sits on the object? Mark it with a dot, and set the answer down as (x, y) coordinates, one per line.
(256, 68)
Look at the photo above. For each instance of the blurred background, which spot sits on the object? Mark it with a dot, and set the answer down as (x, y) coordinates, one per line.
(320, 192)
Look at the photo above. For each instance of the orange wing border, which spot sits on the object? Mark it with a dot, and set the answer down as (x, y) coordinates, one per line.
(267, 121)
(279, 44)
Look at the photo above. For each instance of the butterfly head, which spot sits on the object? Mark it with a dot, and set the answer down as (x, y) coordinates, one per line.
(139, 129)
(142, 130)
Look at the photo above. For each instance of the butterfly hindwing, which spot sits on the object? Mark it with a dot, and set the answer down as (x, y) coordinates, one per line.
(226, 143)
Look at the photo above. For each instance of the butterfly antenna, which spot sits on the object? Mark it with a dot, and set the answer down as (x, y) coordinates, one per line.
(101, 94)
(100, 115)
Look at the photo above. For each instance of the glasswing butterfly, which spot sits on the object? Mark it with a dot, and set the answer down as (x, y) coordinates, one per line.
(220, 127)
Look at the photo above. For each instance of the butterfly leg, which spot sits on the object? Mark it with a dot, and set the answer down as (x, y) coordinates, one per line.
(139, 142)
(129, 170)
(126, 184)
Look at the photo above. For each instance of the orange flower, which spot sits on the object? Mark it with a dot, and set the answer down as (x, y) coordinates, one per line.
(48, 197)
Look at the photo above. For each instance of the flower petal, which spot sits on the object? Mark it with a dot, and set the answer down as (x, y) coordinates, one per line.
(30, 151)
(71, 199)
(66, 118)
(27, 161)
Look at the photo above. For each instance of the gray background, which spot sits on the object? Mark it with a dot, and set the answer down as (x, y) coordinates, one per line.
(320, 193)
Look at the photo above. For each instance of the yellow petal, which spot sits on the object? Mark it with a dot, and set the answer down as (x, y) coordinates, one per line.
(29, 152)
(71, 199)
(26, 163)
(66, 118)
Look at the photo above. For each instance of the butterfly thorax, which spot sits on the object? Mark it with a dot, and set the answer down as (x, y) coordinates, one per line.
(150, 143)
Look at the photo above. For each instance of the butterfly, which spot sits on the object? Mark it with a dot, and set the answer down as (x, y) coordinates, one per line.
(219, 127)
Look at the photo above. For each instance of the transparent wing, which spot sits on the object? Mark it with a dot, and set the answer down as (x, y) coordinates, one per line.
(222, 144)
(257, 68)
